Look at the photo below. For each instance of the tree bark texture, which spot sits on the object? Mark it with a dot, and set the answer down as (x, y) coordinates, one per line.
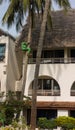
(38, 58)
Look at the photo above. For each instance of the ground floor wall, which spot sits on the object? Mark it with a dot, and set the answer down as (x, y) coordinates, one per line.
(49, 113)
(62, 113)
(64, 74)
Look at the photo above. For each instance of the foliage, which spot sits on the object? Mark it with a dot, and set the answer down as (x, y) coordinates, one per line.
(2, 117)
(20, 125)
(11, 107)
(45, 123)
(17, 10)
(66, 123)
(63, 4)
(9, 114)
(68, 126)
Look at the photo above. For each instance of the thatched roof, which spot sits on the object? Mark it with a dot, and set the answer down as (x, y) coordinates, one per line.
(61, 35)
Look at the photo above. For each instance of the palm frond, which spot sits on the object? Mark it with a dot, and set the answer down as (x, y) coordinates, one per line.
(65, 4)
(49, 21)
(49, 18)
(13, 14)
(1, 1)
(10, 11)
(25, 5)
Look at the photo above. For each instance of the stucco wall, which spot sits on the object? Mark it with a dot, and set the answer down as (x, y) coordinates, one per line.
(3, 65)
(64, 74)
(62, 113)
(12, 67)
(10, 70)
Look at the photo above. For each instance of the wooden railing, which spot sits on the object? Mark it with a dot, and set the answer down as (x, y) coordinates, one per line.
(52, 60)
(72, 93)
(45, 92)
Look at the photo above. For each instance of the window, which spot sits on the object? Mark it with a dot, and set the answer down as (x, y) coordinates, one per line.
(73, 89)
(2, 52)
(47, 87)
(73, 55)
(50, 54)
(34, 54)
(48, 84)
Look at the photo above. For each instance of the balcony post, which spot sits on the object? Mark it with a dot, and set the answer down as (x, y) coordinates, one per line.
(65, 55)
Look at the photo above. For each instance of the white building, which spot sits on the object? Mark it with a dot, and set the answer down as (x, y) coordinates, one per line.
(56, 87)
(10, 70)
(56, 84)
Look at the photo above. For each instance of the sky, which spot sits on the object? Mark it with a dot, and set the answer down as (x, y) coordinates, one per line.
(12, 30)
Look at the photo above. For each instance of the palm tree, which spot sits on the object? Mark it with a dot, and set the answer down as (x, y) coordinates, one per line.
(62, 3)
(16, 14)
(39, 50)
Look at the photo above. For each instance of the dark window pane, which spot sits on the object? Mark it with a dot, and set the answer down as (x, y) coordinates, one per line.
(46, 83)
(59, 54)
(2, 51)
(73, 53)
(73, 89)
(34, 54)
(39, 84)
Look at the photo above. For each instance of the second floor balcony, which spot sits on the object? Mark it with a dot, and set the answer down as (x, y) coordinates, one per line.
(45, 92)
(53, 60)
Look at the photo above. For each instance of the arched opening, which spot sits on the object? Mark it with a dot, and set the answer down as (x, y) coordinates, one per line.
(47, 86)
(72, 92)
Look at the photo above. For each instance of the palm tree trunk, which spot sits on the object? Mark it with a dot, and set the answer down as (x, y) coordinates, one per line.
(38, 59)
(25, 62)
(25, 59)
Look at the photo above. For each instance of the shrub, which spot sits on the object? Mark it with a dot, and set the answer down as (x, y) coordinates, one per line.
(45, 123)
(65, 122)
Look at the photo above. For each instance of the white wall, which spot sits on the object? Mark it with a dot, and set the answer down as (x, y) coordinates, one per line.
(64, 74)
(62, 113)
(9, 69)
(3, 64)
(12, 66)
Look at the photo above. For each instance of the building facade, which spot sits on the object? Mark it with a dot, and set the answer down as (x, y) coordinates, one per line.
(10, 70)
(56, 81)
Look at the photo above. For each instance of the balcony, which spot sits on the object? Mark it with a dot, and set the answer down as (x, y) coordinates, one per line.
(45, 92)
(53, 60)
(72, 92)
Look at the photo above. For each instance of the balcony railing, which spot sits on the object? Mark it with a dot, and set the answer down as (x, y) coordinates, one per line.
(45, 92)
(52, 60)
(72, 92)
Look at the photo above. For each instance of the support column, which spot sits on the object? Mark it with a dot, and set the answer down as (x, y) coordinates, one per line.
(62, 113)
(65, 55)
